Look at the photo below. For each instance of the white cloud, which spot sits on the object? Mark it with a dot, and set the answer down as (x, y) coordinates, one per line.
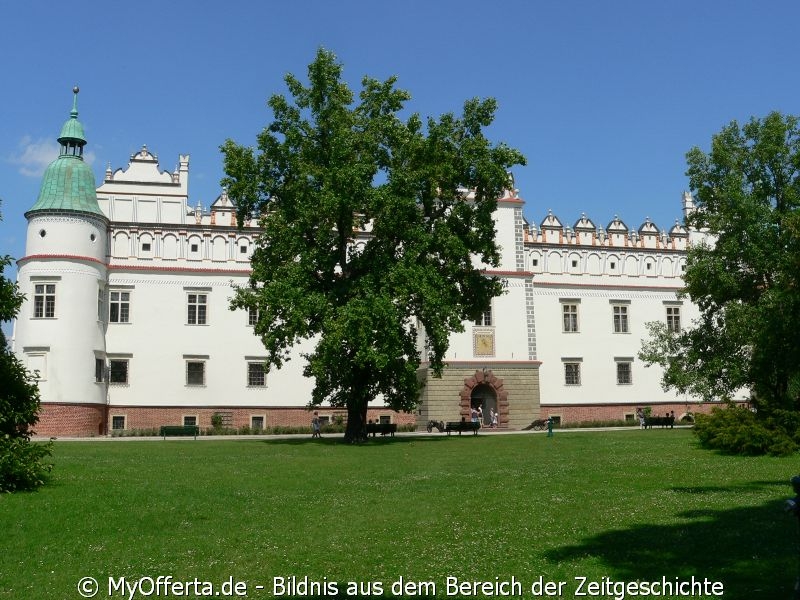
(33, 156)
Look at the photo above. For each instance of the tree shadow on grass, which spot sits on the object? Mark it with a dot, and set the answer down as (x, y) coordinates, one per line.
(338, 439)
(752, 550)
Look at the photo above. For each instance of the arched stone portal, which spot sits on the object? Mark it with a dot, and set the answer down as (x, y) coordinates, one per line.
(487, 390)
(485, 397)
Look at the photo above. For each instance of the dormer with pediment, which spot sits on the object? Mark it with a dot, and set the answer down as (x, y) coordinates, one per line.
(617, 232)
(143, 193)
(552, 229)
(223, 210)
(585, 231)
(679, 236)
(649, 235)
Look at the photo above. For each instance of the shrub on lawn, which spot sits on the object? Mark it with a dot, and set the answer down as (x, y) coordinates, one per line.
(22, 462)
(737, 430)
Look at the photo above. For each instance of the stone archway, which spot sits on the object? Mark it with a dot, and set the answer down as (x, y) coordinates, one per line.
(484, 397)
(484, 385)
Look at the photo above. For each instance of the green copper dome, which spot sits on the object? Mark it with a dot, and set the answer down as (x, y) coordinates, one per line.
(68, 183)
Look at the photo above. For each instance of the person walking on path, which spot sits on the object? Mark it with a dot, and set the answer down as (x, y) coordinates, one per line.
(315, 428)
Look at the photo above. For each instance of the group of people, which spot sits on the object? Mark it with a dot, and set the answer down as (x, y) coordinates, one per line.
(477, 415)
(641, 416)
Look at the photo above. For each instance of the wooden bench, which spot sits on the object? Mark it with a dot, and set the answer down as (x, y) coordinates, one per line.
(382, 428)
(460, 426)
(179, 430)
(650, 422)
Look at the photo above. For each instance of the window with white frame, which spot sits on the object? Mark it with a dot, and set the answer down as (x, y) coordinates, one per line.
(572, 373)
(624, 372)
(620, 316)
(195, 372)
(485, 320)
(569, 311)
(99, 368)
(197, 309)
(189, 420)
(674, 319)
(252, 315)
(44, 301)
(119, 306)
(256, 376)
(101, 313)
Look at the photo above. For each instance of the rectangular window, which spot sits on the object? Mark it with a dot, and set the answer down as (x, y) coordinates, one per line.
(572, 373)
(570, 314)
(197, 309)
(624, 376)
(44, 301)
(485, 319)
(190, 420)
(257, 423)
(620, 319)
(117, 422)
(119, 307)
(100, 304)
(99, 367)
(256, 377)
(37, 364)
(673, 319)
(252, 315)
(118, 371)
(195, 372)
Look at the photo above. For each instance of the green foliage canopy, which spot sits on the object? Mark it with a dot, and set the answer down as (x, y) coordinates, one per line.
(745, 278)
(21, 461)
(367, 231)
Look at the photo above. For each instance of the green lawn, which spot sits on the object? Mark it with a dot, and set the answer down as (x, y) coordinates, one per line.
(629, 505)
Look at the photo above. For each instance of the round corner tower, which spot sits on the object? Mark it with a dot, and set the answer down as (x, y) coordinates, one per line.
(60, 329)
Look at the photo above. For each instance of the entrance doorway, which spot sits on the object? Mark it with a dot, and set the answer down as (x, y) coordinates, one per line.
(485, 396)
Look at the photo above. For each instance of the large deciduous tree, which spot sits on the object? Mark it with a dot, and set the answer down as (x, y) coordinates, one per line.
(367, 229)
(746, 278)
(22, 462)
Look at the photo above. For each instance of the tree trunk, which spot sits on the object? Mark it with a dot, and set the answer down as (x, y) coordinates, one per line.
(356, 430)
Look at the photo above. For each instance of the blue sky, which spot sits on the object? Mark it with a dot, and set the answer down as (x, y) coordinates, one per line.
(603, 98)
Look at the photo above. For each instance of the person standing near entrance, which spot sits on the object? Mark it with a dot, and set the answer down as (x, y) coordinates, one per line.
(493, 417)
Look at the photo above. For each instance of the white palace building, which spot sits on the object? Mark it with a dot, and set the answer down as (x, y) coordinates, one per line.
(127, 319)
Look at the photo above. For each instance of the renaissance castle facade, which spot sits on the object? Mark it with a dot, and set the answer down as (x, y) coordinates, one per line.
(127, 321)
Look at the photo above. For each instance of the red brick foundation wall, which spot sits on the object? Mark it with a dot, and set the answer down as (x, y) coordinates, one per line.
(71, 420)
(78, 420)
(571, 413)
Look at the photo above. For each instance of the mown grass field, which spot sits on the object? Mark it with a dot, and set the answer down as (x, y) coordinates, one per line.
(628, 505)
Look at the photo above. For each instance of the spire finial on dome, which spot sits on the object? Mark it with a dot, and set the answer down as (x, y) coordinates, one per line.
(72, 131)
(74, 112)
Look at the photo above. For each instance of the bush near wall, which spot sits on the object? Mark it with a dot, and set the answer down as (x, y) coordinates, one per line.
(738, 430)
